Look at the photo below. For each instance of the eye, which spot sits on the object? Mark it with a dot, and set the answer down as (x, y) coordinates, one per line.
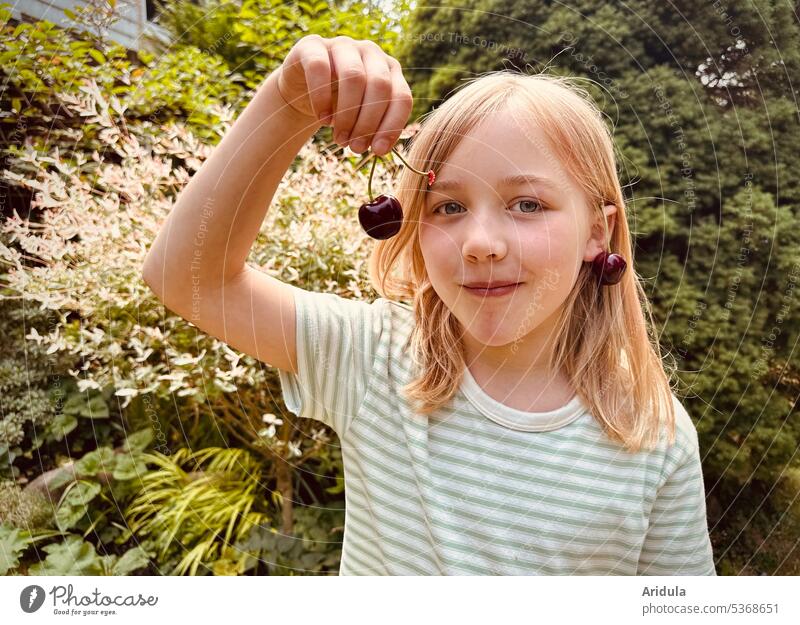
(531, 206)
(436, 210)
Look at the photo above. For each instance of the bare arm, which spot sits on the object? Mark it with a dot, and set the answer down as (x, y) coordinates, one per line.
(209, 232)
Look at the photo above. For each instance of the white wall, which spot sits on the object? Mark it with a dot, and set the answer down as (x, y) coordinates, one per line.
(128, 30)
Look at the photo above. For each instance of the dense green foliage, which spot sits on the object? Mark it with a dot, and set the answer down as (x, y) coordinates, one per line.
(254, 36)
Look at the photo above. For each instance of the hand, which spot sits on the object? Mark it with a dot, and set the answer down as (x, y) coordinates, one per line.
(351, 85)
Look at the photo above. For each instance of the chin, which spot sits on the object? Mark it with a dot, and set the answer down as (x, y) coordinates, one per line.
(494, 336)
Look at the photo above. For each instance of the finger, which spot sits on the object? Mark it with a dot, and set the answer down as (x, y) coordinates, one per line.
(317, 68)
(397, 113)
(350, 77)
(376, 97)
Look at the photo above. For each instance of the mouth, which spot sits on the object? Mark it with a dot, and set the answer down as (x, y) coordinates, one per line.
(493, 291)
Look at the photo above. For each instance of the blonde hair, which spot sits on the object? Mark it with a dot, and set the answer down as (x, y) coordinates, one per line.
(604, 343)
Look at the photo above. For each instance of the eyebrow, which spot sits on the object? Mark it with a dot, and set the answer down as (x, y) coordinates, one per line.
(517, 179)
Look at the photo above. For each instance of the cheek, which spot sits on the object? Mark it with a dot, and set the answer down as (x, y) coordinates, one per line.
(552, 244)
(551, 258)
(438, 249)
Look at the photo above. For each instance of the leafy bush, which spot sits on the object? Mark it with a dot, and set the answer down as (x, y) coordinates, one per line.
(254, 36)
(41, 62)
(30, 387)
(73, 556)
(89, 492)
(196, 503)
(314, 548)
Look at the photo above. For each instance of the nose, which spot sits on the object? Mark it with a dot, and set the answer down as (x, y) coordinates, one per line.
(485, 237)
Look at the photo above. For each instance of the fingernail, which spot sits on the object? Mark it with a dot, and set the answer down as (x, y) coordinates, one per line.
(342, 138)
(381, 145)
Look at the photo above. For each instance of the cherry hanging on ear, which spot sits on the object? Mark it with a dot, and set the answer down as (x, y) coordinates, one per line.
(608, 268)
(382, 217)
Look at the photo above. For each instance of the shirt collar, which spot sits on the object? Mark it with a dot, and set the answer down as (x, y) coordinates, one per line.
(519, 419)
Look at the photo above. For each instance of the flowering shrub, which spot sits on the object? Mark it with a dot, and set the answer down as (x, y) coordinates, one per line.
(91, 240)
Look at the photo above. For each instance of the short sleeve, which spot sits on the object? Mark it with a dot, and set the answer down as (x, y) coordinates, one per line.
(337, 339)
(677, 540)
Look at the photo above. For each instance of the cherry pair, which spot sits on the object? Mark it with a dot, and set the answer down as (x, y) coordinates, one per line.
(382, 217)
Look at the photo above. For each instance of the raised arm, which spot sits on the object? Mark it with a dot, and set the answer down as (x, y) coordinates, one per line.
(196, 265)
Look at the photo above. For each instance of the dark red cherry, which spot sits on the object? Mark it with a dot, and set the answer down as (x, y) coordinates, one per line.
(382, 217)
(608, 268)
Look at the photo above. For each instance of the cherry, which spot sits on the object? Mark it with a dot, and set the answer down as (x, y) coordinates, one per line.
(608, 267)
(382, 217)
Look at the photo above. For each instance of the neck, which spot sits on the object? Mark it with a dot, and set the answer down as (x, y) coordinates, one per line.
(519, 371)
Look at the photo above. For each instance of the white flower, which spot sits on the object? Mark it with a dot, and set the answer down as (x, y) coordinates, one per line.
(295, 449)
(267, 432)
(86, 384)
(271, 418)
(33, 335)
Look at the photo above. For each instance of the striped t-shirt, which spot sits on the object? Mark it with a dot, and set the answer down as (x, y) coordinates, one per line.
(482, 488)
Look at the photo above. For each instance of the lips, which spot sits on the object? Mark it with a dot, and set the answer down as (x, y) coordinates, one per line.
(496, 291)
(489, 285)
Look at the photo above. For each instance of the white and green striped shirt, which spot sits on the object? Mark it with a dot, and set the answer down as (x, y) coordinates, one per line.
(483, 488)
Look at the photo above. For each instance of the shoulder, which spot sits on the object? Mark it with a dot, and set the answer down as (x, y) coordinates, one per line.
(685, 429)
(400, 309)
(685, 447)
(397, 315)
(395, 327)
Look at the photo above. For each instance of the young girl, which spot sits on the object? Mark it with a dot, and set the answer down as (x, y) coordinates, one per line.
(525, 429)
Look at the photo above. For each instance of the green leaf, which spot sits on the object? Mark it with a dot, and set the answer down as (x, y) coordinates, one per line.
(93, 407)
(74, 556)
(75, 503)
(61, 425)
(96, 408)
(311, 560)
(129, 467)
(101, 459)
(13, 542)
(139, 441)
(133, 559)
(338, 488)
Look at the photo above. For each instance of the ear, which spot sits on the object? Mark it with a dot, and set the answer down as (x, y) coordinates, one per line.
(597, 241)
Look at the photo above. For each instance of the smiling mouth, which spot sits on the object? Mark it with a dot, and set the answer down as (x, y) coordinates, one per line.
(496, 291)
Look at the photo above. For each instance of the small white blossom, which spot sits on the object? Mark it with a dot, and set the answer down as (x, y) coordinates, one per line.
(271, 418)
(267, 432)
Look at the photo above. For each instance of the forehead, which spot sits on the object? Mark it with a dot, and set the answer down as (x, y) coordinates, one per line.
(501, 147)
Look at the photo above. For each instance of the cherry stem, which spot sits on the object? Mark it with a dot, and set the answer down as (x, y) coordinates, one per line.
(371, 172)
(421, 173)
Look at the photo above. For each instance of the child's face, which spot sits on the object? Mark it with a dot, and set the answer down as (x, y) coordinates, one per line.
(486, 230)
